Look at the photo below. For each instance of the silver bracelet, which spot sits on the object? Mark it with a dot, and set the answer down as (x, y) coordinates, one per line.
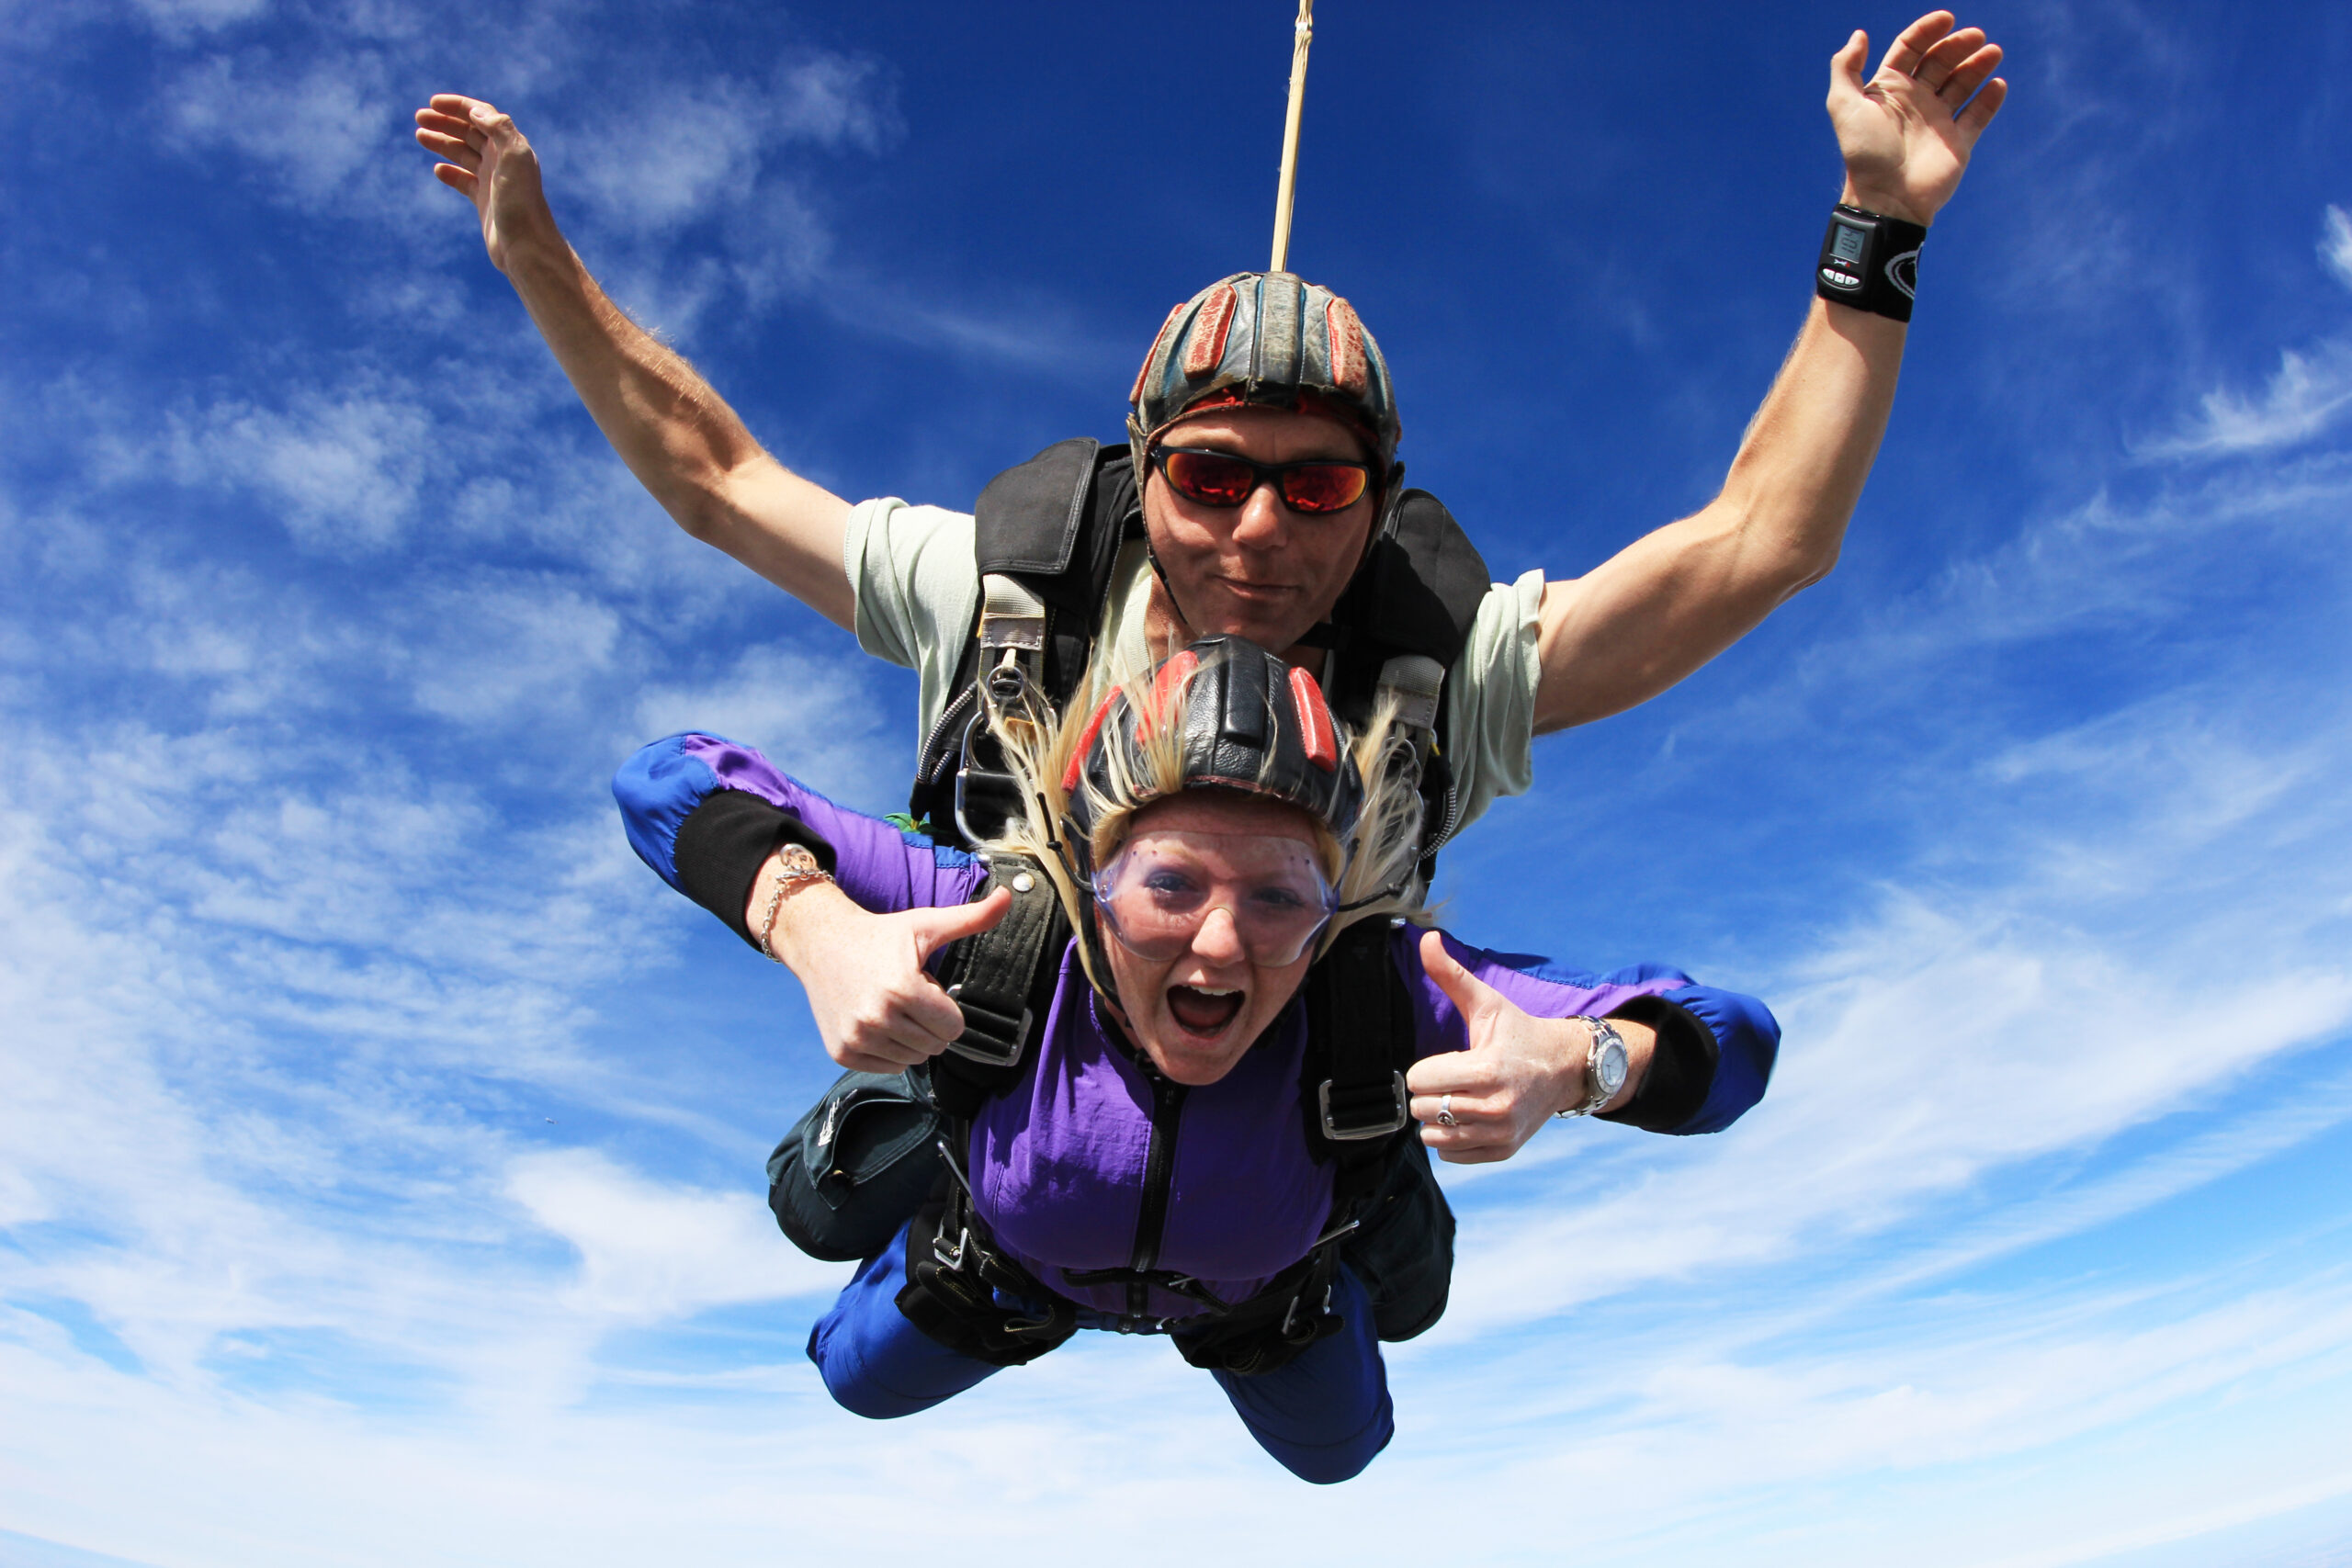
(799, 868)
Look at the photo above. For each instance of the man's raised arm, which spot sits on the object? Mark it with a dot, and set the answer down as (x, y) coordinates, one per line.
(677, 435)
(1671, 601)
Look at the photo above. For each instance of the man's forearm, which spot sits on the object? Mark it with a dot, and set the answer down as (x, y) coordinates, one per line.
(677, 435)
(1672, 600)
(1799, 473)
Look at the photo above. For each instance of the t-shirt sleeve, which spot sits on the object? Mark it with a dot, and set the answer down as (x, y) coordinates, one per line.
(911, 569)
(1490, 727)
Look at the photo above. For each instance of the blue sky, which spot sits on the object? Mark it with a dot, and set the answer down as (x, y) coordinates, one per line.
(380, 1143)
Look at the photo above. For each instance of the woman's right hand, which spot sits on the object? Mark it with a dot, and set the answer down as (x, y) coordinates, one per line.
(875, 1007)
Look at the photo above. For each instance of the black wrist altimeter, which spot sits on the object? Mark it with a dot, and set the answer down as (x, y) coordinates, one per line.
(1870, 261)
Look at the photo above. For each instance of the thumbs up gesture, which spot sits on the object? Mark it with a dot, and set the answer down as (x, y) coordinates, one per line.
(876, 1008)
(1519, 1071)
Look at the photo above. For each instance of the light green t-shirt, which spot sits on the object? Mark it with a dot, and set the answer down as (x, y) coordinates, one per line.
(918, 591)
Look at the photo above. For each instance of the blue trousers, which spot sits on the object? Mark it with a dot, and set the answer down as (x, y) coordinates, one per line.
(1323, 1416)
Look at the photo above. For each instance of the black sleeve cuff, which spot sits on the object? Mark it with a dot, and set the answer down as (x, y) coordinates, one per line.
(1682, 1068)
(722, 844)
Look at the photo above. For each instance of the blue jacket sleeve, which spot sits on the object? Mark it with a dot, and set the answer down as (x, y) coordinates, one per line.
(666, 788)
(1744, 1034)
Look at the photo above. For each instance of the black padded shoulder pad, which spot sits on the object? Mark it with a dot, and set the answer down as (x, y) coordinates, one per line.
(1029, 516)
(1032, 522)
(1422, 589)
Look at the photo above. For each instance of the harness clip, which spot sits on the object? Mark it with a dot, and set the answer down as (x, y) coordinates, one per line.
(1362, 1112)
(952, 1259)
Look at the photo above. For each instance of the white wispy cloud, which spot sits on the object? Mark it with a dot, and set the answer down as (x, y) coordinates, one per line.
(653, 1251)
(345, 471)
(2303, 398)
(2335, 246)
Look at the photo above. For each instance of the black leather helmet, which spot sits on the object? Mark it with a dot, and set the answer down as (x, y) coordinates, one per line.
(1247, 722)
(1270, 339)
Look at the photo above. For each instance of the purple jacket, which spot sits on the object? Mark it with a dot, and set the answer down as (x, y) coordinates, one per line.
(1059, 1161)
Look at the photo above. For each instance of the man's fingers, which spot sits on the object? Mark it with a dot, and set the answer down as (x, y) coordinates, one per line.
(457, 179)
(451, 149)
(1846, 65)
(1970, 74)
(1912, 44)
(1981, 108)
(1936, 67)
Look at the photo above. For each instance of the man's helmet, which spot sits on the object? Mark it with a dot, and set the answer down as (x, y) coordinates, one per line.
(1242, 721)
(1270, 339)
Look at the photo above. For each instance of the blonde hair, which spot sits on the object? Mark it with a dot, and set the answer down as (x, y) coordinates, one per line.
(1376, 867)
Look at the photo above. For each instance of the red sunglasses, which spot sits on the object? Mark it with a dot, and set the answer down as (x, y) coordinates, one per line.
(1220, 478)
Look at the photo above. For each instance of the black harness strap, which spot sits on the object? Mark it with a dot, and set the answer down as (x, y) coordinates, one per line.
(1360, 1045)
(1003, 978)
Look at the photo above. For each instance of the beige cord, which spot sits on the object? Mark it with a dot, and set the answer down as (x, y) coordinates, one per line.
(1304, 30)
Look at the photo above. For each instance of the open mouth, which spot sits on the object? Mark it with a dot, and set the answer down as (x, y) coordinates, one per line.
(1200, 1012)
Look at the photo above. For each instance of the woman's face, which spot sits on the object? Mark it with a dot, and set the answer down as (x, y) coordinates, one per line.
(1195, 1013)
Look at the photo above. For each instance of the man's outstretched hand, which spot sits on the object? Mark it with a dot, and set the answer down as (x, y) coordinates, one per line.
(485, 159)
(1905, 133)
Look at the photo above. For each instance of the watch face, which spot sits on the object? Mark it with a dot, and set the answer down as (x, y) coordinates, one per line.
(1608, 1065)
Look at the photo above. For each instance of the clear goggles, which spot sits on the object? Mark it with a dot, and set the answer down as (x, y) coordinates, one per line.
(1161, 889)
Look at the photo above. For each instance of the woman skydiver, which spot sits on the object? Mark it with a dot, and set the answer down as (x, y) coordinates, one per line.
(1150, 1164)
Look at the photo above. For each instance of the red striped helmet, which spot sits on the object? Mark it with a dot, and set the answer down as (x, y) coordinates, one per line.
(1273, 339)
(1247, 721)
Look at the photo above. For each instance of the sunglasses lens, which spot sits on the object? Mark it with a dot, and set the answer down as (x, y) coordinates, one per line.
(1324, 487)
(1209, 478)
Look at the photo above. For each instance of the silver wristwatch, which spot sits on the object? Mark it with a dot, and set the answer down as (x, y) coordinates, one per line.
(1605, 1065)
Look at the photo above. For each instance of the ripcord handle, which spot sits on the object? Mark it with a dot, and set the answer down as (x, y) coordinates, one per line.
(1304, 31)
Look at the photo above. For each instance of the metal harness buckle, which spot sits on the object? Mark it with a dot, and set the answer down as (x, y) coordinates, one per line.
(952, 1259)
(986, 1038)
(1364, 1114)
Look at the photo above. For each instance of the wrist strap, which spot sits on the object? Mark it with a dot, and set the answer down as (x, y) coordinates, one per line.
(1870, 261)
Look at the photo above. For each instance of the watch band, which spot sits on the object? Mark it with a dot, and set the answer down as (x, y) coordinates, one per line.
(1598, 1091)
(1870, 261)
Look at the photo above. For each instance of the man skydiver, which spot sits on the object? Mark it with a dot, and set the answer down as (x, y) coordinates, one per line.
(1545, 654)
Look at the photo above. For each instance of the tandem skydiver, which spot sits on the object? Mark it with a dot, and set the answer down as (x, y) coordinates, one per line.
(1253, 377)
(1192, 845)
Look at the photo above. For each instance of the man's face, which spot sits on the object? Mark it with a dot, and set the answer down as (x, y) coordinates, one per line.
(1258, 571)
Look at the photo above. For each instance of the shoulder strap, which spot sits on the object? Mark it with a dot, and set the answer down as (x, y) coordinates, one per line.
(1417, 592)
(1359, 1042)
(1053, 526)
(1003, 979)
(1045, 536)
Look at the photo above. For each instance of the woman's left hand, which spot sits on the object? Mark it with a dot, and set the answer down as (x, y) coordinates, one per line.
(1500, 1091)
(1518, 1070)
